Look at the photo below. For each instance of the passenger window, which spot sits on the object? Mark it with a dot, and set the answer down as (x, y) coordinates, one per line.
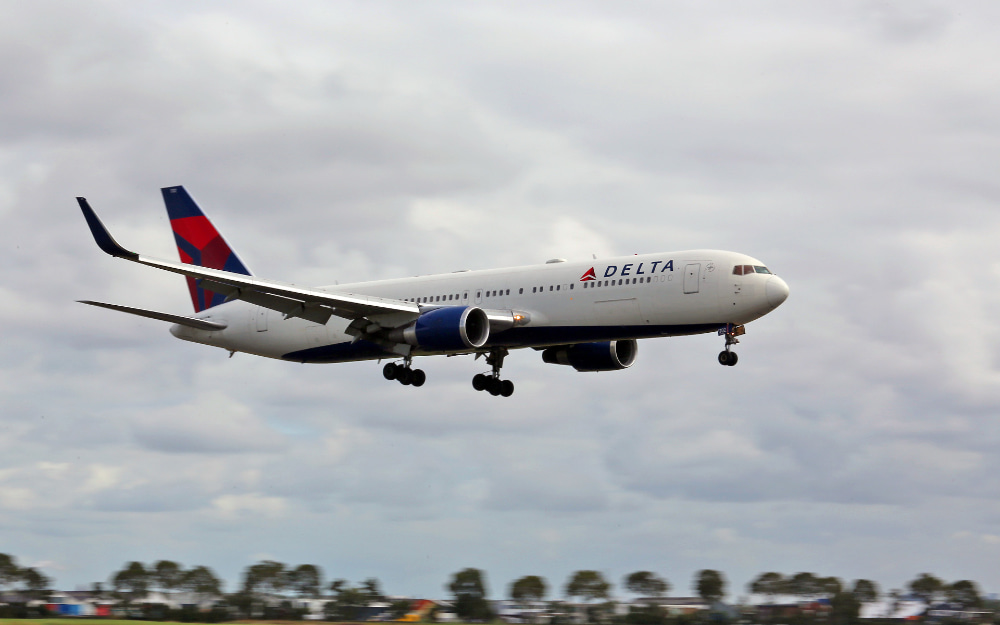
(557, 287)
(550, 287)
(508, 291)
(520, 291)
(494, 293)
(532, 289)
(570, 286)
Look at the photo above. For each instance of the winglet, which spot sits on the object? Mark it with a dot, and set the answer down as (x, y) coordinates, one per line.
(104, 239)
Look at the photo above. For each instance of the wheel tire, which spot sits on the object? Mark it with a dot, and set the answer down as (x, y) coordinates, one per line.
(494, 387)
(733, 359)
(479, 382)
(506, 388)
(419, 377)
(724, 358)
(389, 371)
(405, 376)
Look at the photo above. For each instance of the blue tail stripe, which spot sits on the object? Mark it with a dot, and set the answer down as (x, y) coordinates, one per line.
(179, 203)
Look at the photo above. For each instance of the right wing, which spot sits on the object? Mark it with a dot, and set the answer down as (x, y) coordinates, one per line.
(313, 304)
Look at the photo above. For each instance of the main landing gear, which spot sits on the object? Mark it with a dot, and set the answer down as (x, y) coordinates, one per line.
(492, 383)
(729, 358)
(404, 374)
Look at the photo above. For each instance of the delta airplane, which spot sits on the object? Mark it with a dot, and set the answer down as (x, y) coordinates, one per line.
(585, 315)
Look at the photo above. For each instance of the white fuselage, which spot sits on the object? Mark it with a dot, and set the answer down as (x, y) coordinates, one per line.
(628, 297)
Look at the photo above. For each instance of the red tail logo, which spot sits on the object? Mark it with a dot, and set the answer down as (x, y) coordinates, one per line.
(590, 275)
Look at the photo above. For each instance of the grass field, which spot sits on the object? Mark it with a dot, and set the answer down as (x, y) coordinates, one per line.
(102, 621)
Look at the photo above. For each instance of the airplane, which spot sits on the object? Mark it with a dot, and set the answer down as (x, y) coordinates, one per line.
(587, 315)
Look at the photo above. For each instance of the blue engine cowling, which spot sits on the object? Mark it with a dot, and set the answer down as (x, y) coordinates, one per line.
(448, 329)
(602, 356)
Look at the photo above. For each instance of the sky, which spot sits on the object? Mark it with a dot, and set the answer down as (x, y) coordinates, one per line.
(851, 146)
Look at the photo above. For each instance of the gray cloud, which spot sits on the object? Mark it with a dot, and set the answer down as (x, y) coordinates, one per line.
(849, 147)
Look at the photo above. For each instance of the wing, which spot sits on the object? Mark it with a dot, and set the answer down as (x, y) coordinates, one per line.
(314, 304)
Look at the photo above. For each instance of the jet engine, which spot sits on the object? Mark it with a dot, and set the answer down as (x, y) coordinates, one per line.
(452, 328)
(602, 356)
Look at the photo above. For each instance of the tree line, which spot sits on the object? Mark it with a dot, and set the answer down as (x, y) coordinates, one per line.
(268, 587)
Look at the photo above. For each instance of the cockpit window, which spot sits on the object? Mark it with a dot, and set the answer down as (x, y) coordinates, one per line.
(738, 270)
(746, 270)
(760, 269)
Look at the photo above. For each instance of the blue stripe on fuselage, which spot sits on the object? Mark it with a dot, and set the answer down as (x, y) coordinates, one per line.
(515, 337)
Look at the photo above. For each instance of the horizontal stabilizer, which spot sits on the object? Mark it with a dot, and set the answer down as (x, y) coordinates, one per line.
(191, 322)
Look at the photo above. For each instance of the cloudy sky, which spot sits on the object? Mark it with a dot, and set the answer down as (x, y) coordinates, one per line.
(852, 146)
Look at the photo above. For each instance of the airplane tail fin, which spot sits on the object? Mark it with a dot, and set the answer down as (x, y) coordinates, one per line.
(199, 243)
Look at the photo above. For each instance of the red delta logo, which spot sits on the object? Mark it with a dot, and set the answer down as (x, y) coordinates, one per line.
(590, 275)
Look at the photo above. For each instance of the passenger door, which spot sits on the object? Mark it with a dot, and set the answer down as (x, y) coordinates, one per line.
(692, 277)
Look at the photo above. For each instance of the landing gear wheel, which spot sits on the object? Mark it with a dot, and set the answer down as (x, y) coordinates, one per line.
(506, 388)
(419, 377)
(479, 381)
(494, 387)
(389, 371)
(728, 358)
(405, 376)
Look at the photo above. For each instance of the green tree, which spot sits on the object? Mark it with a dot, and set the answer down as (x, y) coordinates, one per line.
(710, 585)
(829, 586)
(347, 601)
(34, 583)
(589, 585)
(305, 580)
(131, 583)
(372, 590)
(528, 588)
(927, 587)
(202, 582)
(267, 576)
(845, 609)
(964, 592)
(768, 584)
(166, 575)
(804, 585)
(469, 589)
(646, 584)
(865, 590)
(10, 573)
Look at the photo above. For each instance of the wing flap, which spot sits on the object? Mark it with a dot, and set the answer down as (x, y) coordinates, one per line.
(191, 322)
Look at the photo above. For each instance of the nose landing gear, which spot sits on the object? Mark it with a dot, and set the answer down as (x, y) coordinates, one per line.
(492, 383)
(727, 357)
(404, 374)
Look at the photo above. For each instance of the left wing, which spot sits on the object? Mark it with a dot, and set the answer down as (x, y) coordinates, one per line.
(314, 304)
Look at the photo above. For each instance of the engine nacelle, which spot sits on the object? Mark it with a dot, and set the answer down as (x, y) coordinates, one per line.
(603, 356)
(452, 328)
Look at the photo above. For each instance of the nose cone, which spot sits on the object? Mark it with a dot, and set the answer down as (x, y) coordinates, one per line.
(776, 290)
